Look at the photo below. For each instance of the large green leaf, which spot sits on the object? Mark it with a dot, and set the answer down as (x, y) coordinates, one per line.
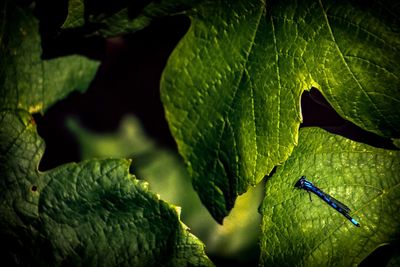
(232, 87)
(89, 214)
(298, 232)
(27, 81)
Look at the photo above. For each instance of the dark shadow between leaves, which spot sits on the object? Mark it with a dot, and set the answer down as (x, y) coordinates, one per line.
(380, 256)
(318, 112)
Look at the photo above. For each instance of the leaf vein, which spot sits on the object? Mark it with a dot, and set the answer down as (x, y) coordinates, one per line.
(373, 63)
(243, 70)
(359, 27)
(279, 81)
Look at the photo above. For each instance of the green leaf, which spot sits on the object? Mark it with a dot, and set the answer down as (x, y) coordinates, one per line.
(232, 87)
(87, 214)
(76, 14)
(27, 81)
(298, 232)
(116, 18)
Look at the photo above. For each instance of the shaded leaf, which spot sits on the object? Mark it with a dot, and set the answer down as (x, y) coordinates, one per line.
(27, 81)
(92, 213)
(297, 232)
(76, 14)
(121, 17)
(232, 87)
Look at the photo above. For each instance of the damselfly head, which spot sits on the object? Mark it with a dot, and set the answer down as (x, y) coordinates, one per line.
(300, 182)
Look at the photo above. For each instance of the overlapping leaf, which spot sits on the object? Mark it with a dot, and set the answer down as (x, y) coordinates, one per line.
(298, 232)
(27, 81)
(89, 214)
(231, 89)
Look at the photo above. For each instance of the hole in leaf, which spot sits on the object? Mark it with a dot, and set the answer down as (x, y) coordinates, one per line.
(317, 111)
(34, 188)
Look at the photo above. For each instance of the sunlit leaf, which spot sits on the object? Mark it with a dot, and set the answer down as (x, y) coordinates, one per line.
(300, 232)
(232, 87)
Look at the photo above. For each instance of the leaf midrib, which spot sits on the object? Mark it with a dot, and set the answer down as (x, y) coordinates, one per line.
(236, 89)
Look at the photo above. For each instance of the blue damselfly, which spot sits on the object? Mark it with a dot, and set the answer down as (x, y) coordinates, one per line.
(303, 183)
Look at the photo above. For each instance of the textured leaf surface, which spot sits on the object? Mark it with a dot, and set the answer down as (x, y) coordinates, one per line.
(298, 232)
(89, 214)
(231, 89)
(27, 81)
(115, 18)
(76, 14)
